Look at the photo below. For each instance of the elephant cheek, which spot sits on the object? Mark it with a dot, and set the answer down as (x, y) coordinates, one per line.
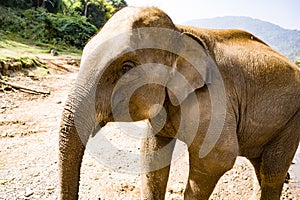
(144, 103)
(147, 101)
(138, 112)
(128, 113)
(154, 110)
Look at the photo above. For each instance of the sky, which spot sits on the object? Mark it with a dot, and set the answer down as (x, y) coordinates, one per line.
(285, 13)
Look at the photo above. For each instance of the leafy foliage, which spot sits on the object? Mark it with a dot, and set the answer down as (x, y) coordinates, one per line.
(52, 6)
(37, 24)
(297, 62)
(118, 4)
(23, 4)
(97, 12)
(71, 22)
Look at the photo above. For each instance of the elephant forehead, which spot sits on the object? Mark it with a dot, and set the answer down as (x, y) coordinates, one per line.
(145, 56)
(130, 18)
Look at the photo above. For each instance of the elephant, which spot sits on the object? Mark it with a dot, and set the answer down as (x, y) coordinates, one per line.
(225, 93)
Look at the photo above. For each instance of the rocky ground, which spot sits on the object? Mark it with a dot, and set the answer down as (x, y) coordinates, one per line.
(29, 147)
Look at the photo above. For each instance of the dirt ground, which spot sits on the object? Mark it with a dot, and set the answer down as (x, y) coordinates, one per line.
(29, 147)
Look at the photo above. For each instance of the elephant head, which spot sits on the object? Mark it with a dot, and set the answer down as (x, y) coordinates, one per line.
(128, 70)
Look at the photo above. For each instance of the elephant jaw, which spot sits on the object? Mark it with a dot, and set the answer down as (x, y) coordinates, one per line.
(120, 118)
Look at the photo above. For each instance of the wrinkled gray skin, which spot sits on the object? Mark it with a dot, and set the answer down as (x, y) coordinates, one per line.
(262, 113)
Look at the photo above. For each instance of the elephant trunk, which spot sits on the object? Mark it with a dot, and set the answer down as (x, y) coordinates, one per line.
(73, 136)
(69, 162)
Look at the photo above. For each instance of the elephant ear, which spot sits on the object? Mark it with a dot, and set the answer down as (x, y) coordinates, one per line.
(191, 69)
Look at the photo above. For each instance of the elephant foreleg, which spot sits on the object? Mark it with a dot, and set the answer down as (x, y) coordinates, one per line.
(256, 162)
(204, 175)
(205, 172)
(156, 161)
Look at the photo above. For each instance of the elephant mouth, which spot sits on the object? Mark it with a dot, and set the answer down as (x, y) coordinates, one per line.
(106, 120)
(102, 123)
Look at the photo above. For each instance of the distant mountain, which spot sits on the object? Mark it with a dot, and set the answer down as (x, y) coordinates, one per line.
(283, 40)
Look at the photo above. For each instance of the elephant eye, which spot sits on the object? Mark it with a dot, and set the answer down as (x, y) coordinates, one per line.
(128, 65)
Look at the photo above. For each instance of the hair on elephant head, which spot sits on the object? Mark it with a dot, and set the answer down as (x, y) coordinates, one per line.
(196, 85)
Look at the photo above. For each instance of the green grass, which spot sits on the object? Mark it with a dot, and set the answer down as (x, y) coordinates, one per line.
(12, 45)
(17, 53)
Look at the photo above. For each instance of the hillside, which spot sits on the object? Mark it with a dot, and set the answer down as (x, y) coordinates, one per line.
(283, 40)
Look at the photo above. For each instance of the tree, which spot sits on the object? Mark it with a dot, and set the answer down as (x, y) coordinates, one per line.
(86, 7)
(297, 62)
(23, 4)
(72, 7)
(98, 12)
(52, 6)
(118, 4)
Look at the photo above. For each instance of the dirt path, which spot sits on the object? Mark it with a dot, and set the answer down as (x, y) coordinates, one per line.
(29, 148)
